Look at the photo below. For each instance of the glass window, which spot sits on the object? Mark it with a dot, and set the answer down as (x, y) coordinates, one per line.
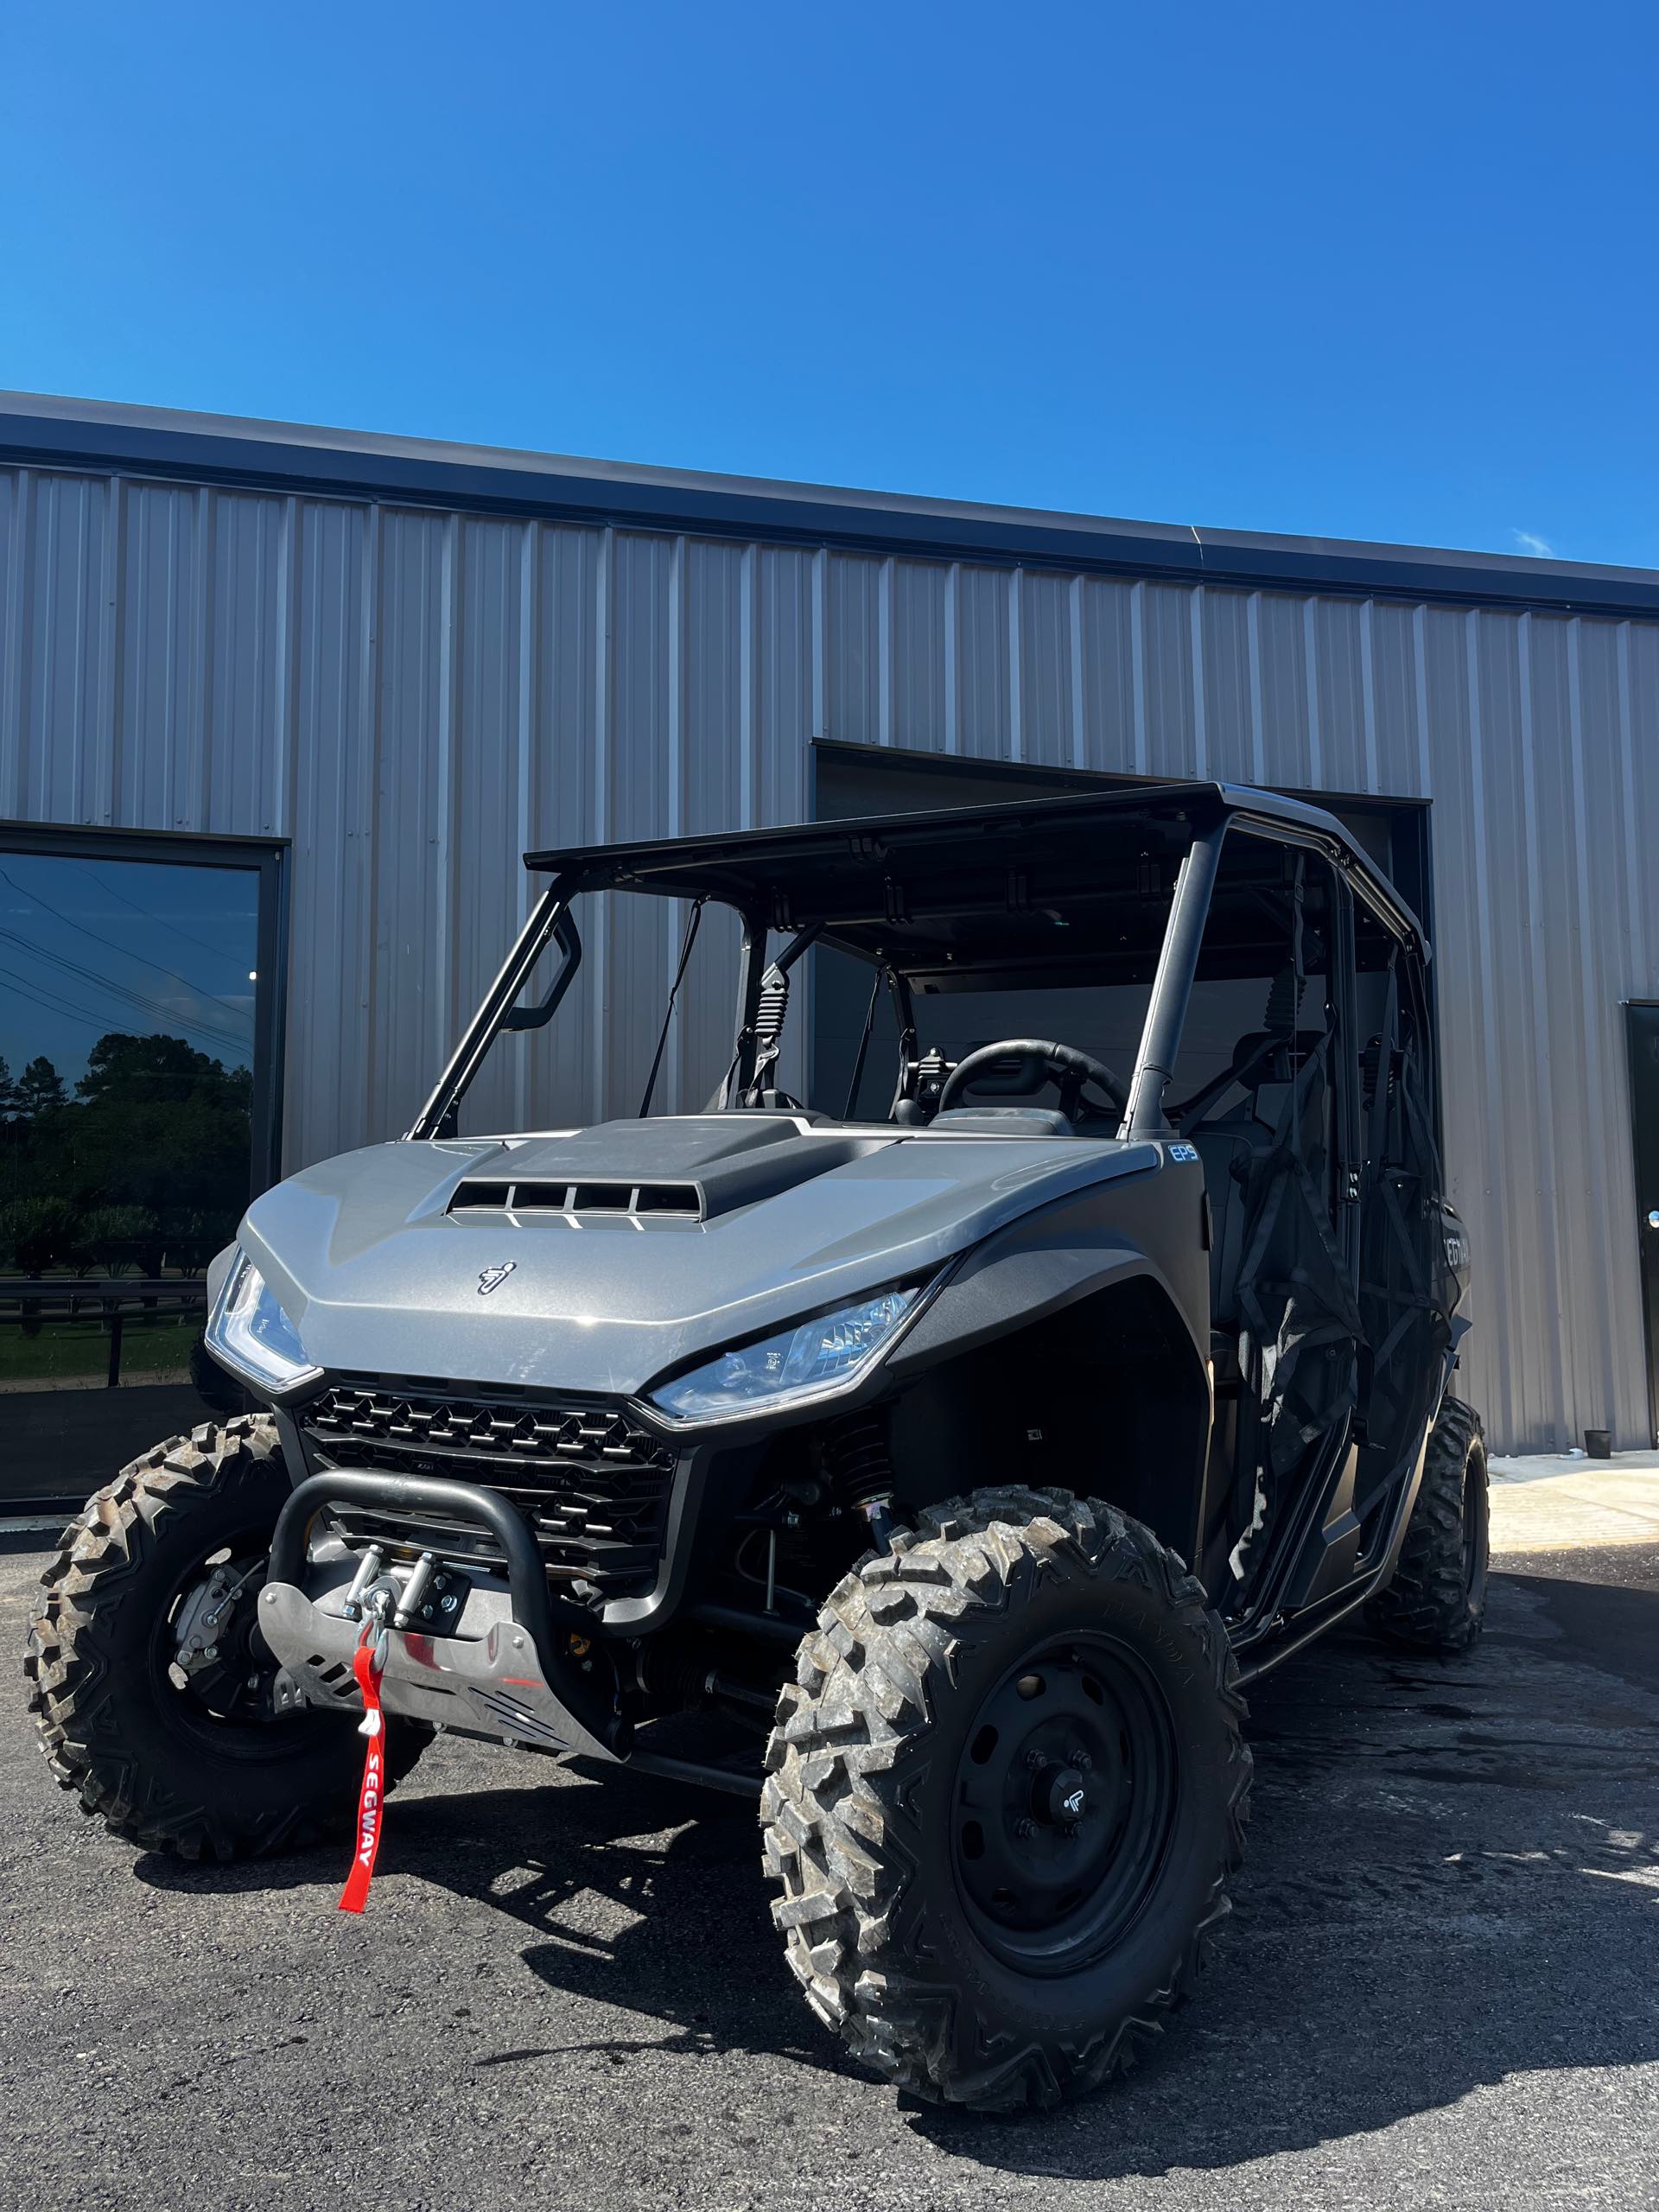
(129, 991)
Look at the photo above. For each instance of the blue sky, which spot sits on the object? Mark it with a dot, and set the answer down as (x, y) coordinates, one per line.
(1379, 270)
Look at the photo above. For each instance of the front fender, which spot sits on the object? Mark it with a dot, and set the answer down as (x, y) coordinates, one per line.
(1007, 1285)
(1073, 1347)
(1084, 1243)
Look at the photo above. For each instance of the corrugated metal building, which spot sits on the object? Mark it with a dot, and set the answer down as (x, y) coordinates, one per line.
(411, 661)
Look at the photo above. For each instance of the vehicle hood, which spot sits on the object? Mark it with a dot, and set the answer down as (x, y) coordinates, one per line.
(381, 1277)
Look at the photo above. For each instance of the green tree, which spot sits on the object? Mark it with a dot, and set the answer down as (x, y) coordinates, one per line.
(113, 1237)
(158, 1070)
(38, 1233)
(7, 1091)
(150, 1156)
(39, 1090)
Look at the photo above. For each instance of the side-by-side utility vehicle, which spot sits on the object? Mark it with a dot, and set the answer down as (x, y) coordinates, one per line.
(957, 1442)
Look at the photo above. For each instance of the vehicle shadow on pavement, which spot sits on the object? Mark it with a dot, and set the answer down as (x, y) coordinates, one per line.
(634, 1892)
(1453, 1877)
(700, 1957)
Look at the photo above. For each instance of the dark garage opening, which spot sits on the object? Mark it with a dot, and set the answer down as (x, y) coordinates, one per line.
(849, 780)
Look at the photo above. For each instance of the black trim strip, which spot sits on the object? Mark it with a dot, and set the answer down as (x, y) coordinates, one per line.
(481, 480)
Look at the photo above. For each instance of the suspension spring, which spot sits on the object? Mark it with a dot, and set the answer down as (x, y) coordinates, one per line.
(859, 1469)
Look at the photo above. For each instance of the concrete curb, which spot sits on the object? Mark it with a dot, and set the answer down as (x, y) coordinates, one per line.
(1558, 1501)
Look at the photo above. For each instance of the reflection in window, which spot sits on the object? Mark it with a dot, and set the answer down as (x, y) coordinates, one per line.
(126, 1047)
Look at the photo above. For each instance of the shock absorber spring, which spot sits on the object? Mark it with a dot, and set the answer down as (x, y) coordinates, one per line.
(859, 1469)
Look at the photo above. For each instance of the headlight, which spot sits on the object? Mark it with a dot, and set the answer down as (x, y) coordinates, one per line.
(814, 1360)
(250, 1332)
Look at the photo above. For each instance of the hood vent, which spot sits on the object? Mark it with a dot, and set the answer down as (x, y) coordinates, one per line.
(666, 1201)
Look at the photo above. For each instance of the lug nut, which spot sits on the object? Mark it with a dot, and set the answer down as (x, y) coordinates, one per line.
(1035, 1761)
(1024, 1827)
(1070, 1829)
(1081, 1761)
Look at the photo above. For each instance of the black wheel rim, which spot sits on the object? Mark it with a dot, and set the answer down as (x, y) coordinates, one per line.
(1065, 1803)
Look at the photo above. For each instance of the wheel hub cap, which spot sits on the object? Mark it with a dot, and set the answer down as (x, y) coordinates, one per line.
(1061, 1796)
(1064, 1797)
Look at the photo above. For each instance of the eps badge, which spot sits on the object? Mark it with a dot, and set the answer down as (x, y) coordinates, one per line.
(493, 1278)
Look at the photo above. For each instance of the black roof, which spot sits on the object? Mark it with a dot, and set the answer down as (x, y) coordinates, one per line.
(922, 888)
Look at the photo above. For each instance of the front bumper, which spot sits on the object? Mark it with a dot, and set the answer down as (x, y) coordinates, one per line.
(601, 1489)
(508, 1669)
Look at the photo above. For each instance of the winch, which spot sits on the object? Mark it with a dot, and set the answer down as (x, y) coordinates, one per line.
(457, 1649)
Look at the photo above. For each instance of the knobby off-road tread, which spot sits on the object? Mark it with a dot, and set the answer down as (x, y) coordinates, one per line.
(74, 1686)
(1426, 1604)
(886, 1645)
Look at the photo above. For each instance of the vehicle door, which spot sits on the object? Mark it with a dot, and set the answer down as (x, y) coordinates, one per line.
(1265, 1089)
(1408, 1278)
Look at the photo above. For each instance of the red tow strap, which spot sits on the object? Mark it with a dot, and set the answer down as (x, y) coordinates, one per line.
(373, 1797)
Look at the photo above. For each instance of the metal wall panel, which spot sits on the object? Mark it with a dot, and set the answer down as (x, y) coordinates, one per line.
(413, 697)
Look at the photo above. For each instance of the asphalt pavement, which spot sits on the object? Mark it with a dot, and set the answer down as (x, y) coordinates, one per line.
(1440, 1987)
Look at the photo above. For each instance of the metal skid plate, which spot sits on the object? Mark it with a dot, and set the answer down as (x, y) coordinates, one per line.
(487, 1675)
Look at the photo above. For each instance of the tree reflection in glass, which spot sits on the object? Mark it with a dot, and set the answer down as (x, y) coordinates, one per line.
(126, 1026)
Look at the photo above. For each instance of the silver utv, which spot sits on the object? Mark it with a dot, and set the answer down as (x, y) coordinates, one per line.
(945, 1448)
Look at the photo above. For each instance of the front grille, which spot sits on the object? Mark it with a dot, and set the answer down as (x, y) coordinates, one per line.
(592, 1483)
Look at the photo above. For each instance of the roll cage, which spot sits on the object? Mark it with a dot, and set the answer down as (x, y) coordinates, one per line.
(957, 898)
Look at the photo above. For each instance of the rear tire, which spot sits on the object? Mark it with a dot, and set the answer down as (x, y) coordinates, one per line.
(1005, 1791)
(187, 1763)
(1436, 1600)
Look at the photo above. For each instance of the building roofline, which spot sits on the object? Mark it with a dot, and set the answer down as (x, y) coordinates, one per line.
(40, 430)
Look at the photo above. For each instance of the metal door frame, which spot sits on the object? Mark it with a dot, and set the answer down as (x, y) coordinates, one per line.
(1649, 1348)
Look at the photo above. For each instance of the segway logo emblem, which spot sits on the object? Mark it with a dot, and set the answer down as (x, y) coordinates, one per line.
(1073, 1804)
(493, 1278)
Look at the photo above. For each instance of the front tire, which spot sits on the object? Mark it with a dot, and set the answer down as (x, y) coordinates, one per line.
(1005, 1791)
(1436, 1598)
(186, 1759)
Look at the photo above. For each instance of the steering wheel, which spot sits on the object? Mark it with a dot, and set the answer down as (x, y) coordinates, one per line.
(1070, 1070)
